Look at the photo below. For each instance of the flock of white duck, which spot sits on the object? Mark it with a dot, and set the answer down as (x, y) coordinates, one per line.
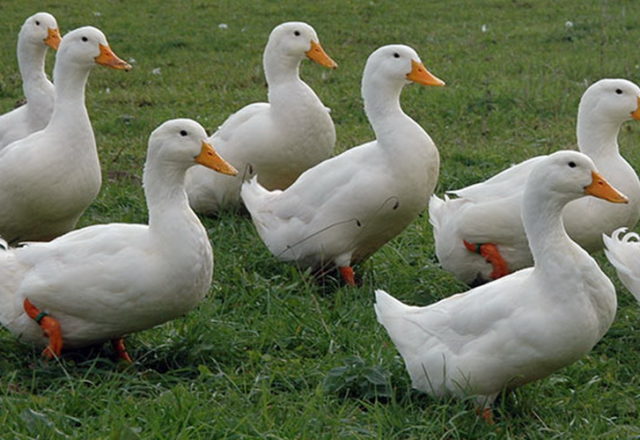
(527, 228)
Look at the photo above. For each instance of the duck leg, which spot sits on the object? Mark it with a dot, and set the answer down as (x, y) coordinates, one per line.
(118, 346)
(347, 275)
(490, 252)
(50, 326)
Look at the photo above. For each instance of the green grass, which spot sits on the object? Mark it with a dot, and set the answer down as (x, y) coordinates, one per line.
(259, 357)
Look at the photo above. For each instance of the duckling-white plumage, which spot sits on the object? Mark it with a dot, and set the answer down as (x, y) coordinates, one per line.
(623, 251)
(50, 177)
(277, 140)
(105, 281)
(526, 325)
(488, 212)
(37, 33)
(343, 209)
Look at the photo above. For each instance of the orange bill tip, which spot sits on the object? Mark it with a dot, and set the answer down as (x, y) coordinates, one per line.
(421, 75)
(602, 189)
(636, 114)
(53, 38)
(110, 59)
(317, 54)
(211, 159)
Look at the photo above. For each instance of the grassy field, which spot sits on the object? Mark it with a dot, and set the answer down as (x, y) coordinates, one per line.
(272, 353)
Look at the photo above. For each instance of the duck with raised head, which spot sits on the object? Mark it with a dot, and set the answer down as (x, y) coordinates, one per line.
(50, 177)
(103, 282)
(342, 210)
(526, 325)
(278, 139)
(479, 235)
(39, 32)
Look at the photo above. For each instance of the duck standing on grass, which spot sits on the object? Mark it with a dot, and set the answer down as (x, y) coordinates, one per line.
(50, 177)
(277, 140)
(526, 325)
(38, 32)
(479, 236)
(344, 209)
(103, 282)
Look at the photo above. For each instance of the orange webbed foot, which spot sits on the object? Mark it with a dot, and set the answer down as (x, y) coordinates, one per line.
(50, 326)
(490, 252)
(486, 414)
(348, 275)
(119, 347)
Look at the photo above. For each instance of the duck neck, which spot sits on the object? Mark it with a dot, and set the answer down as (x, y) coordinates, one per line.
(280, 69)
(382, 105)
(31, 58)
(542, 218)
(597, 136)
(166, 198)
(70, 81)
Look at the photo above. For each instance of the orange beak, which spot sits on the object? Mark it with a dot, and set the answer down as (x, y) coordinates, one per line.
(211, 159)
(53, 38)
(600, 188)
(317, 54)
(636, 114)
(421, 75)
(110, 59)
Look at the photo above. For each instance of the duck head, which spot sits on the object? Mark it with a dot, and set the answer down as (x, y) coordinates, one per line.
(616, 100)
(297, 40)
(400, 64)
(41, 28)
(183, 142)
(88, 46)
(569, 175)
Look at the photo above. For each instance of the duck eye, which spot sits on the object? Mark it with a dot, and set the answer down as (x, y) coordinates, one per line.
(619, 91)
(572, 164)
(183, 132)
(37, 23)
(85, 39)
(396, 55)
(296, 33)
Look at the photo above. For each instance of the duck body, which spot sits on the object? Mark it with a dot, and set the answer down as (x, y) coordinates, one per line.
(105, 281)
(279, 139)
(67, 277)
(488, 212)
(47, 206)
(37, 33)
(521, 327)
(343, 209)
(476, 344)
(50, 177)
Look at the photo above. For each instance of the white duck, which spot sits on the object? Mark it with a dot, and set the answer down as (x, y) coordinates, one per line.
(624, 253)
(102, 282)
(526, 325)
(37, 33)
(277, 140)
(50, 177)
(342, 210)
(479, 236)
